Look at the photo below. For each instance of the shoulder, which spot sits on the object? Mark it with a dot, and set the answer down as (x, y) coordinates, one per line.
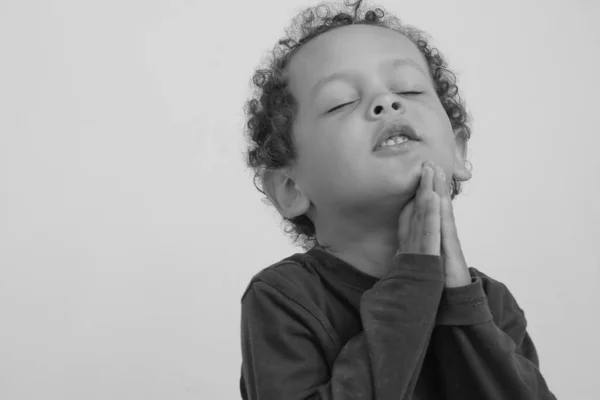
(290, 289)
(296, 276)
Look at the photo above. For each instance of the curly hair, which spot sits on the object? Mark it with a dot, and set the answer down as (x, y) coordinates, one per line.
(270, 112)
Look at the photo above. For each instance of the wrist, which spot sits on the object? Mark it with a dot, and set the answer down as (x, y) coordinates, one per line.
(463, 279)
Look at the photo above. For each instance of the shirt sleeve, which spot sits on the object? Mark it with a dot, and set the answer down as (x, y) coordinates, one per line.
(482, 355)
(284, 344)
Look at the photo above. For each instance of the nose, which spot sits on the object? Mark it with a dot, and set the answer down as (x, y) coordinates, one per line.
(383, 105)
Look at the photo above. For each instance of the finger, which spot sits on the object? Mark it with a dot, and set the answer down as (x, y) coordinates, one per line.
(416, 227)
(405, 222)
(427, 183)
(443, 190)
(431, 237)
(439, 182)
(448, 216)
(425, 187)
(450, 242)
(421, 201)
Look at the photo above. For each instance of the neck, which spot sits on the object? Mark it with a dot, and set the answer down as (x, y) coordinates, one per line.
(367, 247)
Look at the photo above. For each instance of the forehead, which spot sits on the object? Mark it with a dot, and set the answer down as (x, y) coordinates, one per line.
(353, 47)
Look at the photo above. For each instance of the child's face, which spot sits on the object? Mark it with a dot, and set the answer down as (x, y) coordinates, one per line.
(337, 167)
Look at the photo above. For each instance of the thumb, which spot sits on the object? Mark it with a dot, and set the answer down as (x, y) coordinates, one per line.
(404, 221)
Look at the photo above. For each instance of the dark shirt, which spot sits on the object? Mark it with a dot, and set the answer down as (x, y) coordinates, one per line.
(314, 327)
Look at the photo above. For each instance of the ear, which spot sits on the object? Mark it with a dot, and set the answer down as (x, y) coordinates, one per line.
(461, 173)
(285, 194)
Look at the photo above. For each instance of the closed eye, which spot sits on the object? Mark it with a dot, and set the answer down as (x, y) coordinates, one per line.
(413, 93)
(338, 107)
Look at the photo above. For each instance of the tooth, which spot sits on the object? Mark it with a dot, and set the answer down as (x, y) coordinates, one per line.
(395, 140)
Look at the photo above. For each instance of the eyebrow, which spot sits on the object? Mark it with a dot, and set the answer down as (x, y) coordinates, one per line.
(395, 63)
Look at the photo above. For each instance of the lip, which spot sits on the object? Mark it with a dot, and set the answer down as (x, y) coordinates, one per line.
(397, 149)
(392, 129)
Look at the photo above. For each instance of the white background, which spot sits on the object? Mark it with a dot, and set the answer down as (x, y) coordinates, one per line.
(129, 227)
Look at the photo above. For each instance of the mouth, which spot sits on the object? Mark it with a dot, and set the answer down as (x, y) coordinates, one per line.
(394, 134)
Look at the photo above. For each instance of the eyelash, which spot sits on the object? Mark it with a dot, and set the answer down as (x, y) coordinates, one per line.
(345, 104)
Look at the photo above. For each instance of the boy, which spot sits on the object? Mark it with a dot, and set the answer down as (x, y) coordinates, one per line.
(355, 128)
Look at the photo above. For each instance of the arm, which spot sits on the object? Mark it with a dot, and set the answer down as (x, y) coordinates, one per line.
(284, 346)
(483, 352)
(481, 358)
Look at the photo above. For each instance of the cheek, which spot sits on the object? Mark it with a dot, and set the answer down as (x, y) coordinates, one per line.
(316, 159)
(331, 168)
(444, 127)
(444, 140)
(443, 118)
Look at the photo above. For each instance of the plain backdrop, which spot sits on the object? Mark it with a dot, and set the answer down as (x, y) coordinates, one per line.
(129, 227)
